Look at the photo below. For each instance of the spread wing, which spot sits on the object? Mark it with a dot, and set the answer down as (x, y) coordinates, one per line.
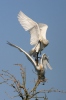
(27, 55)
(25, 21)
(29, 25)
(45, 62)
(43, 30)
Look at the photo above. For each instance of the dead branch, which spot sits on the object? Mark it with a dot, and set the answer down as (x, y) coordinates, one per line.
(48, 91)
(19, 87)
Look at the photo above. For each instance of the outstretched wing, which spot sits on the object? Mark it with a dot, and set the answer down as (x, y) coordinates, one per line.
(43, 30)
(27, 55)
(45, 62)
(25, 21)
(29, 25)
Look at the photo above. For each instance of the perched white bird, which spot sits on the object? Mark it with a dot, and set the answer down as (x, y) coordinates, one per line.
(42, 64)
(37, 32)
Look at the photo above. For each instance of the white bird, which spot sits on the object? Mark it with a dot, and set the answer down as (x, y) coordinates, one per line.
(42, 64)
(37, 32)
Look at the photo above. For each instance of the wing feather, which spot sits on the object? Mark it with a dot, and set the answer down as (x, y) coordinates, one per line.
(45, 62)
(27, 55)
(25, 21)
(34, 32)
(31, 26)
(43, 30)
(48, 65)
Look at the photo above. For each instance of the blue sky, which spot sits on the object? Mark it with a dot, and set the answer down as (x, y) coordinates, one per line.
(50, 12)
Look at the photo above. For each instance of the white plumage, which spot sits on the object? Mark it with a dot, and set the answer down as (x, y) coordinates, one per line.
(37, 32)
(42, 64)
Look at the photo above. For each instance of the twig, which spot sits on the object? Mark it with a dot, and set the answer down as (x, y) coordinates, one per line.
(48, 91)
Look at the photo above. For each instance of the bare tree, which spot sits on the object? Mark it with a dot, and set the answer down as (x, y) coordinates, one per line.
(21, 89)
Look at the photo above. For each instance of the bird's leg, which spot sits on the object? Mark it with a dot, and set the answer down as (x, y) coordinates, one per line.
(37, 58)
(40, 48)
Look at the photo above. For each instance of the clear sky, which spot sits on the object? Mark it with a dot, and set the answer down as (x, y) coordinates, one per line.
(50, 12)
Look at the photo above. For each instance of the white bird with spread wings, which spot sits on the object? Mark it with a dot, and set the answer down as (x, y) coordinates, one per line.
(42, 64)
(37, 32)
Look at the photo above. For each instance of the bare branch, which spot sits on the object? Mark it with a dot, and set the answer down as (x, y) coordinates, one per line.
(21, 89)
(23, 73)
(48, 91)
